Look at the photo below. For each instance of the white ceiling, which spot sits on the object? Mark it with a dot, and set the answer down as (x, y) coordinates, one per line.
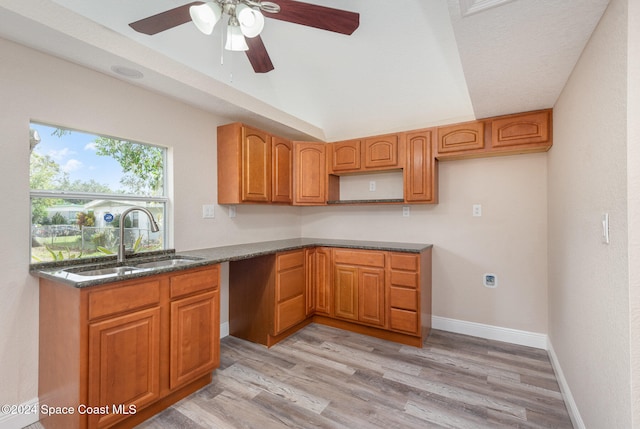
(410, 64)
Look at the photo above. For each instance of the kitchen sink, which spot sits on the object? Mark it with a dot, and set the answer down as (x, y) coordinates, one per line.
(168, 262)
(106, 271)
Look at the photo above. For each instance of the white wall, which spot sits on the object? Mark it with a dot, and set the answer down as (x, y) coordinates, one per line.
(34, 86)
(510, 239)
(588, 280)
(633, 200)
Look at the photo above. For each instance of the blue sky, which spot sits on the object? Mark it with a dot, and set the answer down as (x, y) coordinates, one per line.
(75, 154)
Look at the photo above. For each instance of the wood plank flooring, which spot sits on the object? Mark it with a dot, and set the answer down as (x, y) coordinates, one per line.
(323, 377)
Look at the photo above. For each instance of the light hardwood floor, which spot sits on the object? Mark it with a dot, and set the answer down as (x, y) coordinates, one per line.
(323, 377)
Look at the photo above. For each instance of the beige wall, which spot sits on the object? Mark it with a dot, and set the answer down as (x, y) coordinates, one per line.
(39, 87)
(633, 200)
(589, 280)
(510, 239)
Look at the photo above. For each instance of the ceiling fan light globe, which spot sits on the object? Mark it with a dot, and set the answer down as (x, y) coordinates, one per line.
(235, 39)
(206, 16)
(251, 20)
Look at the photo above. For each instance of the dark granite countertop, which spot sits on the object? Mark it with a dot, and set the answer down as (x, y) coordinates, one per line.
(209, 256)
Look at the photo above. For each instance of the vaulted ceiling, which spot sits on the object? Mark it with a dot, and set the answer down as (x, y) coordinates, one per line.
(410, 64)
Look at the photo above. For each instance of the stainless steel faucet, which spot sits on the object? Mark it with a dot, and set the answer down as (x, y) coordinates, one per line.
(154, 228)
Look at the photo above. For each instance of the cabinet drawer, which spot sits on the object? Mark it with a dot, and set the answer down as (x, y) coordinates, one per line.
(286, 261)
(289, 284)
(119, 299)
(195, 281)
(405, 321)
(359, 257)
(289, 313)
(403, 261)
(404, 278)
(404, 298)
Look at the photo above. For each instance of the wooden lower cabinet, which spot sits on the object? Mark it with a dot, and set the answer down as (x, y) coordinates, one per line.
(120, 353)
(378, 293)
(359, 289)
(124, 364)
(267, 296)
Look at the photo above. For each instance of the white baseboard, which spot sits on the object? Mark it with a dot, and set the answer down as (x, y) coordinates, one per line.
(224, 329)
(514, 336)
(490, 332)
(22, 417)
(572, 407)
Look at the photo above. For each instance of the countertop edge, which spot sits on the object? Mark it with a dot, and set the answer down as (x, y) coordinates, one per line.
(217, 255)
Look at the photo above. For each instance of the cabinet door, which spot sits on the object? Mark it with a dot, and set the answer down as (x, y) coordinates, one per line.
(256, 165)
(420, 174)
(382, 152)
(345, 156)
(345, 288)
(124, 363)
(282, 171)
(323, 281)
(523, 129)
(310, 172)
(460, 138)
(371, 296)
(195, 337)
(290, 305)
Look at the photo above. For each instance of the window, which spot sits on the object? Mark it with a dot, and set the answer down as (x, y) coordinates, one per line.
(80, 185)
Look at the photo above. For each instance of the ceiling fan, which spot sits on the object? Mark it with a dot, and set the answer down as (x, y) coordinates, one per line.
(246, 19)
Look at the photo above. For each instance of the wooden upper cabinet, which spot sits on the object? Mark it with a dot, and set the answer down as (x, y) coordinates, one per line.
(421, 171)
(345, 156)
(253, 166)
(528, 130)
(454, 139)
(310, 173)
(501, 135)
(382, 152)
(282, 170)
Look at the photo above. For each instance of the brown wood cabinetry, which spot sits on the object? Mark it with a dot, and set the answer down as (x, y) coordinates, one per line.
(378, 293)
(318, 268)
(359, 286)
(345, 156)
(465, 137)
(527, 131)
(267, 296)
(128, 349)
(383, 152)
(253, 166)
(290, 291)
(310, 173)
(421, 172)
(501, 135)
(282, 170)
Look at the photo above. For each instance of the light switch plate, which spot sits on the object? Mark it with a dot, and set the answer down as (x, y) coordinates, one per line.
(208, 211)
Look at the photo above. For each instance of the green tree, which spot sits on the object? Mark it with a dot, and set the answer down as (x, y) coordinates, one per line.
(44, 175)
(58, 219)
(85, 219)
(141, 164)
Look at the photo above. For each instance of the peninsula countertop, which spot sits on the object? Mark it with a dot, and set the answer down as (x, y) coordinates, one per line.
(209, 256)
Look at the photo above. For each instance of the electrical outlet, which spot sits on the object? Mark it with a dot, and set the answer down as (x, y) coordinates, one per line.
(490, 280)
(477, 210)
(372, 186)
(406, 211)
(208, 211)
(232, 211)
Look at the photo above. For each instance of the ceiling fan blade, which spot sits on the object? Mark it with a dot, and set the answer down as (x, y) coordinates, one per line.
(258, 55)
(311, 15)
(164, 20)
